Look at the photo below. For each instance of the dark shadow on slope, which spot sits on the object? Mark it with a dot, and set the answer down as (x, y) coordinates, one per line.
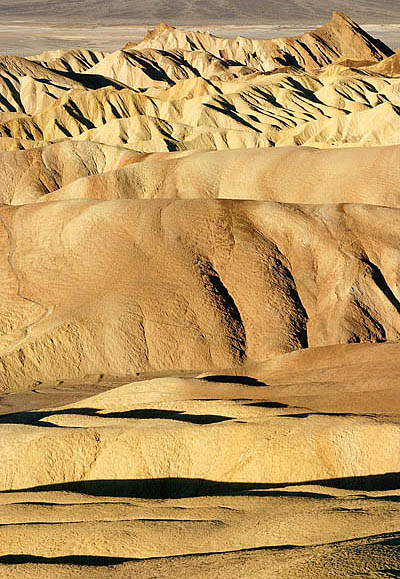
(269, 404)
(15, 93)
(163, 488)
(231, 112)
(225, 303)
(375, 42)
(91, 81)
(307, 93)
(226, 379)
(63, 129)
(92, 560)
(76, 114)
(33, 418)
(82, 560)
(394, 542)
(382, 284)
(340, 414)
(289, 493)
(287, 60)
(388, 498)
(151, 414)
(9, 107)
(150, 67)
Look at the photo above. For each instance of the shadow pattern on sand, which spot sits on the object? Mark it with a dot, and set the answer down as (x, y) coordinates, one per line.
(228, 379)
(36, 418)
(384, 540)
(163, 488)
(81, 560)
(94, 560)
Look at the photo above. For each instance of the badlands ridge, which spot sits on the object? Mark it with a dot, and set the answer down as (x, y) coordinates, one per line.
(199, 314)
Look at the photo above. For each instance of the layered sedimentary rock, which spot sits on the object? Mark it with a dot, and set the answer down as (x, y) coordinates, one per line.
(84, 481)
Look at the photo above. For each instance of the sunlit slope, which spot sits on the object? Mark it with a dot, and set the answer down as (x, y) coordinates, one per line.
(336, 107)
(180, 90)
(311, 473)
(86, 169)
(116, 287)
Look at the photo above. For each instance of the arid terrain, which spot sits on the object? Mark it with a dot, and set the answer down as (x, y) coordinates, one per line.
(200, 306)
(184, 12)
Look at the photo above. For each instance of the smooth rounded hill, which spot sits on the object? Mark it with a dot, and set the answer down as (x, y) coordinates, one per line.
(286, 174)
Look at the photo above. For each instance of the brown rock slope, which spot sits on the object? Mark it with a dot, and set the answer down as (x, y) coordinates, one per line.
(72, 170)
(341, 36)
(124, 286)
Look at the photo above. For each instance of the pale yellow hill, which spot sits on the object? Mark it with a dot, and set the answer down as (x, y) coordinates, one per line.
(87, 169)
(314, 402)
(144, 478)
(335, 107)
(28, 85)
(387, 67)
(77, 60)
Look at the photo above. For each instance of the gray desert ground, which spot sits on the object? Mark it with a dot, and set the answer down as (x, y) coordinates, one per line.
(200, 299)
(291, 12)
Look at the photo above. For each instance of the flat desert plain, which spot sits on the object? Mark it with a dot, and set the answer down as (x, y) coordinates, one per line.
(200, 307)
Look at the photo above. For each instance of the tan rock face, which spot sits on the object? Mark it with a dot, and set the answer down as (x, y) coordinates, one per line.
(183, 428)
(318, 48)
(286, 174)
(199, 319)
(29, 174)
(124, 286)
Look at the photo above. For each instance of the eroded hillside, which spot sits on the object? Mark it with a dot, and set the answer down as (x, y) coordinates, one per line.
(199, 315)
(180, 90)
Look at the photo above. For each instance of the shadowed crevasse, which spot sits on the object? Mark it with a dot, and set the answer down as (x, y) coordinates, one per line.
(228, 311)
(381, 282)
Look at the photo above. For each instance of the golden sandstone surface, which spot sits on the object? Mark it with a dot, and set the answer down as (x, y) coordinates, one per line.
(199, 331)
